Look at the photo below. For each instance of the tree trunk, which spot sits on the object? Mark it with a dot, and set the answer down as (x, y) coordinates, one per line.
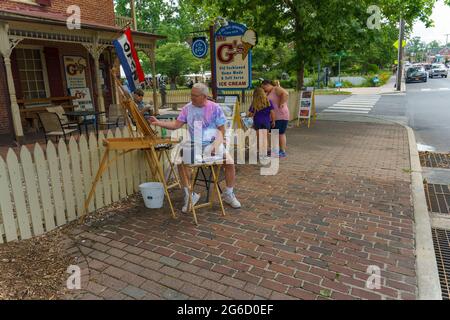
(300, 75)
(173, 83)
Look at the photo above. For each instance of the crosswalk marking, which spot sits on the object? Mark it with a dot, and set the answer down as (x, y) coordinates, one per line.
(431, 90)
(346, 111)
(353, 108)
(358, 104)
(351, 103)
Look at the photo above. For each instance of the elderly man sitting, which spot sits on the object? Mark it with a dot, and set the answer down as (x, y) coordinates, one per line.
(207, 116)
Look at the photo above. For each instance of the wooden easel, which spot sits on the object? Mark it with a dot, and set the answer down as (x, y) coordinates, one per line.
(145, 139)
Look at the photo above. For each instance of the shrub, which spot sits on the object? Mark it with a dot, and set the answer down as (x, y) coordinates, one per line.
(291, 83)
(345, 84)
(372, 68)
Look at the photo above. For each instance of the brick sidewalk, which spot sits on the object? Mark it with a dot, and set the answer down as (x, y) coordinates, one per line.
(340, 203)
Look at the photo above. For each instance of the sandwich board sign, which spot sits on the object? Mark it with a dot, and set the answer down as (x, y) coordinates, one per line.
(306, 107)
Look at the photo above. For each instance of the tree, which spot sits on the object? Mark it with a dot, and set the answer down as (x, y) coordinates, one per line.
(178, 20)
(319, 28)
(174, 19)
(434, 45)
(173, 60)
(270, 58)
(417, 48)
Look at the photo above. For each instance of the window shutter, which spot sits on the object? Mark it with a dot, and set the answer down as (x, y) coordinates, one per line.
(46, 3)
(54, 69)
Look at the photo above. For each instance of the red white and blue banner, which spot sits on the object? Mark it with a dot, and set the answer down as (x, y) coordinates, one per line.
(129, 60)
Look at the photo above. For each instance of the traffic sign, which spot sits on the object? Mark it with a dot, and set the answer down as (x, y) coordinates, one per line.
(396, 44)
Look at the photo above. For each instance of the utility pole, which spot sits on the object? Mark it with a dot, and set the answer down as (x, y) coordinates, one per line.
(400, 54)
(339, 71)
(318, 76)
(133, 15)
(446, 39)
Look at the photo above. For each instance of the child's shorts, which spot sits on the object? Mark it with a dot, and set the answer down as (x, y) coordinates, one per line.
(261, 126)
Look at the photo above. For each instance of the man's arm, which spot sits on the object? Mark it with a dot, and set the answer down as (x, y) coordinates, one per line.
(171, 125)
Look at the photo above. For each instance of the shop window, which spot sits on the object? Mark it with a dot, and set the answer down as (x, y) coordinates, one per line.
(31, 72)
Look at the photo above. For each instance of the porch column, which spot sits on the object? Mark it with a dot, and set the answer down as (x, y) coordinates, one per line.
(115, 69)
(6, 47)
(95, 50)
(151, 54)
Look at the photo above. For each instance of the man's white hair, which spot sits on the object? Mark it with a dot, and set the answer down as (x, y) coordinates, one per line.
(202, 87)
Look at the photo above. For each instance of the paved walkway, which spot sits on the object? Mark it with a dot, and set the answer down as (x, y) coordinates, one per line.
(340, 203)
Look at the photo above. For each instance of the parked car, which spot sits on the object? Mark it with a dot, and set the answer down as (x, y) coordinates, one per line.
(438, 70)
(416, 74)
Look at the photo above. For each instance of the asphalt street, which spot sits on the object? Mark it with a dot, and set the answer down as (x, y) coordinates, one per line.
(425, 107)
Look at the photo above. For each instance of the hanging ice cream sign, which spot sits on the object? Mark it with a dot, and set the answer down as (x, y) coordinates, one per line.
(233, 58)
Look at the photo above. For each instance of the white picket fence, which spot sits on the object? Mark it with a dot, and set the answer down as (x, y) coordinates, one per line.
(42, 190)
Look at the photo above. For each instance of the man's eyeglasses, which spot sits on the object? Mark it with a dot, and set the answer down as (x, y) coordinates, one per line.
(196, 95)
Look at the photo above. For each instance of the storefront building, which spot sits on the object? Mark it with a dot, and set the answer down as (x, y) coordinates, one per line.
(45, 61)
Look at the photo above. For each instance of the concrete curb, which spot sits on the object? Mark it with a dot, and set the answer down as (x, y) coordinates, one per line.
(426, 267)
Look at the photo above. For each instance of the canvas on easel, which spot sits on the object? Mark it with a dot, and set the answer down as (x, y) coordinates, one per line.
(230, 106)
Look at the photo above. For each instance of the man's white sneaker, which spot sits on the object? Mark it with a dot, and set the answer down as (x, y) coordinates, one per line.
(195, 198)
(230, 198)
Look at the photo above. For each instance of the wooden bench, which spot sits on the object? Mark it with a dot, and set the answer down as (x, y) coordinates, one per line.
(29, 108)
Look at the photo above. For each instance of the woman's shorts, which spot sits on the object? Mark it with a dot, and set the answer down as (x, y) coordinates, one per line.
(281, 125)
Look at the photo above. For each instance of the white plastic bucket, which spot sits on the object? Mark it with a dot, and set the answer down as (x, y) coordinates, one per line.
(153, 194)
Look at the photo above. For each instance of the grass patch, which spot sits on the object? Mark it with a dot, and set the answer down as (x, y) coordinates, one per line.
(325, 92)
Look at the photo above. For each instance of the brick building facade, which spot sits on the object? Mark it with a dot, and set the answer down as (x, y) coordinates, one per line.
(35, 44)
(99, 11)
